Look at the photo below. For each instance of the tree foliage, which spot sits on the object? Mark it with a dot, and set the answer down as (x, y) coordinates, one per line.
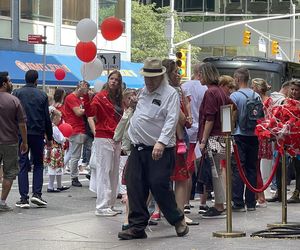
(148, 32)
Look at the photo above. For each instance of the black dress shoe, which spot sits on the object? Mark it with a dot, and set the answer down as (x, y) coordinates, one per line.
(76, 182)
(130, 234)
(53, 190)
(63, 188)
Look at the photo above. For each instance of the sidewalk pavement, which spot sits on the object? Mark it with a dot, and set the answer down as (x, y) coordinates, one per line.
(69, 222)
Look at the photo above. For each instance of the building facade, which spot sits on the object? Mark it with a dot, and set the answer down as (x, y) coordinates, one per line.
(199, 16)
(18, 18)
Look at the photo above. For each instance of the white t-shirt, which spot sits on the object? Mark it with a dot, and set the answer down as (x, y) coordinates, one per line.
(195, 90)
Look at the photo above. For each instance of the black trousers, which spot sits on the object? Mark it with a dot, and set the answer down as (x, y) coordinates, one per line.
(248, 151)
(144, 174)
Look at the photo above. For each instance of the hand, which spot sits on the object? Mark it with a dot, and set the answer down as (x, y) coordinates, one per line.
(202, 147)
(189, 119)
(158, 150)
(48, 143)
(23, 148)
(133, 101)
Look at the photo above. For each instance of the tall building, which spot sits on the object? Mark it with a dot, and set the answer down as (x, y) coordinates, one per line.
(199, 16)
(19, 18)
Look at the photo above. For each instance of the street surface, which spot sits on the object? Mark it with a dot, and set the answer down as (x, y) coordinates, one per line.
(69, 223)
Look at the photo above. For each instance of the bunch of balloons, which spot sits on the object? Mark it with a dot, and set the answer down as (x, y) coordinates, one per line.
(86, 49)
(282, 124)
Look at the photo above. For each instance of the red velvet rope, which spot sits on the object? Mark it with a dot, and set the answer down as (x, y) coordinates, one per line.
(243, 176)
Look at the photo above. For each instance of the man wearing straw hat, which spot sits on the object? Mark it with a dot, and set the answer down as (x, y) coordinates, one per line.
(150, 165)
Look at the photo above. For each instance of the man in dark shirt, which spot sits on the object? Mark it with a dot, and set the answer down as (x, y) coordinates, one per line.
(35, 103)
(12, 118)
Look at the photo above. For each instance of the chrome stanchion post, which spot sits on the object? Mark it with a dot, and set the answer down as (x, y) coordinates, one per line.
(226, 115)
(284, 222)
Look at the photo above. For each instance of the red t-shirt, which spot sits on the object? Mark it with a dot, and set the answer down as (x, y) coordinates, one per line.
(75, 121)
(213, 99)
(107, 117)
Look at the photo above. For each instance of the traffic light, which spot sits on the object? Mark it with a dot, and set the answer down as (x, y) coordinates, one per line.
(275, 47)
(247, 37)
(181, 62)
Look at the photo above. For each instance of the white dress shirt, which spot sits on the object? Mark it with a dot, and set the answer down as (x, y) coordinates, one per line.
(155, 117)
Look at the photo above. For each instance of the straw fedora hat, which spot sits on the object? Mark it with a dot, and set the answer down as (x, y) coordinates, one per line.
(152, 67)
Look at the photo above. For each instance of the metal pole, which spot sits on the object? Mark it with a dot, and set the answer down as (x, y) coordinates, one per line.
(293, 40)
(283, 189)
(189, 61)
(171, 52)
(229, 185)
(44, 59)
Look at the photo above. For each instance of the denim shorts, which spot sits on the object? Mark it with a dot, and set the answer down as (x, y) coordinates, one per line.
(9, 156)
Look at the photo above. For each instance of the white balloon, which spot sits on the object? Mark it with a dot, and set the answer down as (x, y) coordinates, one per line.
(86, 30)
(98, 86)
(92, 70)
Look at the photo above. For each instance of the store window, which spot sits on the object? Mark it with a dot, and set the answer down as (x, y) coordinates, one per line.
(74, 11)
(5, 8)
(116, 8)
(39, 10)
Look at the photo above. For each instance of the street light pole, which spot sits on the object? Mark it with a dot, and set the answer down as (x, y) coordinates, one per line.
(172, 22)
(293, 40)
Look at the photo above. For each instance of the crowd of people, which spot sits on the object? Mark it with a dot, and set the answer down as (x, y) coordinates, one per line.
(152, 145)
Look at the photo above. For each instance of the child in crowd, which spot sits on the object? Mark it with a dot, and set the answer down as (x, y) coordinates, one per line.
(55, 155)
(129, 101)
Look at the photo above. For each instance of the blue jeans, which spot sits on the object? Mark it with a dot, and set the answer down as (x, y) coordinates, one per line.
(248, 152)
(36, 148)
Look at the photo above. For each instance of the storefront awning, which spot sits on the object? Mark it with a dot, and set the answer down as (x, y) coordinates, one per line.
(17, 63)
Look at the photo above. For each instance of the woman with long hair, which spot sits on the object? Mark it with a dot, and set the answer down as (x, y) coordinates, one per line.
(260, 86)
(106, 108)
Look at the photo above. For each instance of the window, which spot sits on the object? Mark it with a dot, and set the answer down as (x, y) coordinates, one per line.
(40, 10)
(114, 8)
(74, 11)
(5, 8)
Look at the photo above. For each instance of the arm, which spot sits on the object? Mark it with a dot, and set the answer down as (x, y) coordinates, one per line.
(23, 131)
(206, 132)
(92, 125)
(48, 123)
(78, 111)
(120, 129)
(169, 128)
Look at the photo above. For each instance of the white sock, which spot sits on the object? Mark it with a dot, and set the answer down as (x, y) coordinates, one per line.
(58, 181)
(51, 181)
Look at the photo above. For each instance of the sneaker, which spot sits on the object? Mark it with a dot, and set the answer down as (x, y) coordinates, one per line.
(38, 200)
(275, 198)
(294, 198)
(203, 209)
(187, 209)
(212, 213)
(106, 212)
(49, 190)
(76, 182)
(5, 208)
(181, 148)
(251, 209)
(63, 188)
(263, 204)
(22, 203)
(236, 208)
(118, 211)
(155, 216)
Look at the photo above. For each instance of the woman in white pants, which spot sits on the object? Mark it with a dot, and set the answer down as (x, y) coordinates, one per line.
(106, 107)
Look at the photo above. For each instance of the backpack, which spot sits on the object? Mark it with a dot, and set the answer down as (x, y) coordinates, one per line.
(251, 112)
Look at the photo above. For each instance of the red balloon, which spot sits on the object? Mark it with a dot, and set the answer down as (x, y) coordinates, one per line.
(86, 52)
(111, 28)
(60, 74)
(66, 129)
